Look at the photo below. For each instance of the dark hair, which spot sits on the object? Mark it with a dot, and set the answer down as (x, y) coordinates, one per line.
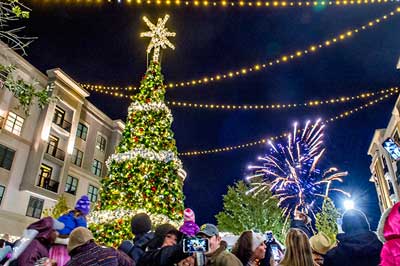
(2, 242)
(242, 248)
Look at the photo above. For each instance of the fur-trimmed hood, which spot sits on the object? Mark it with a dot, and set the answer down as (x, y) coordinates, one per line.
(389, 224)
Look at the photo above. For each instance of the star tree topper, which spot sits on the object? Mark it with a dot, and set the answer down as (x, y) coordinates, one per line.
(159, 36)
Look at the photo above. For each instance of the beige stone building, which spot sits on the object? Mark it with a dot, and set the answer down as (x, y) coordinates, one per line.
(61, 149)
(386, 171)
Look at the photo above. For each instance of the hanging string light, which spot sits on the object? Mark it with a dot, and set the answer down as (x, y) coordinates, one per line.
(271, 106)
(342, 115)
(223, 3)
(282, 59)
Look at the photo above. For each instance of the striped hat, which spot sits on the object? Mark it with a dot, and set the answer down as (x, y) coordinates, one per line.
(188, 215)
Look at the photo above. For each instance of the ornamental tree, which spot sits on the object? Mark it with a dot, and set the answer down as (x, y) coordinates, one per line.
(145, 173)
(326, 220)
(246, 211)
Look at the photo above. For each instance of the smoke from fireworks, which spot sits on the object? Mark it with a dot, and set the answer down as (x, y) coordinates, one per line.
(290, 172)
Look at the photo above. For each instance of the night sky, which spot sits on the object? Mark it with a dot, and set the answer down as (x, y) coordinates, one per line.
(100, 44)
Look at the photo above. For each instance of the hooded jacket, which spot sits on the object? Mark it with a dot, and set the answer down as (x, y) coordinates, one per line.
(39, 247)
(357, 246)
(389, 230)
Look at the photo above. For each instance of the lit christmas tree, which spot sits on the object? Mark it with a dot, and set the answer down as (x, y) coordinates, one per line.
(145, 174)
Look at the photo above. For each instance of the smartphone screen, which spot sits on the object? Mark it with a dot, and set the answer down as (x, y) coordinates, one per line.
(195, 245)
(275, 252)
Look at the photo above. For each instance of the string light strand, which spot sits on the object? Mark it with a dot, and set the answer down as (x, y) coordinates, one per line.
(227, 4)
(272, 106)
(332, 119)
(282, 59)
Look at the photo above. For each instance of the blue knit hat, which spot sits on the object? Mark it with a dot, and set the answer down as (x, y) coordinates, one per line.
(83, 205)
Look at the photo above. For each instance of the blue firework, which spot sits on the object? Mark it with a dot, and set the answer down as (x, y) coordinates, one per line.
(290, 170)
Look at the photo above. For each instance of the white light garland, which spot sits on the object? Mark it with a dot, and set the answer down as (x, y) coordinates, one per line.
(154, 106)
(148, 154)
(103, 217)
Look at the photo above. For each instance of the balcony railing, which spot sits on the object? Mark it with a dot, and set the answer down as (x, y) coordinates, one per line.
(62, 123)
(55, 152)
(48, 184)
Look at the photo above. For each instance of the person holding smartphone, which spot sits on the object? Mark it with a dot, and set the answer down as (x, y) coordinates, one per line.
(217, 254)
(274, 252)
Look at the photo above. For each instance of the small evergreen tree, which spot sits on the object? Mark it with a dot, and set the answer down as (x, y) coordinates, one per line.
(326, 219)
(245, 211)
(57, 210)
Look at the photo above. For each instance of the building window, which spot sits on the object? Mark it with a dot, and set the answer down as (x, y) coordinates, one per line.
(35, 207)
(96, 167)
(2, 190)
(93, 193)
(72, 185)
(14, 123)
(101, 143)
(45, 176)
(82, 131)
(6, 157)
(59, 115)
(77, 157)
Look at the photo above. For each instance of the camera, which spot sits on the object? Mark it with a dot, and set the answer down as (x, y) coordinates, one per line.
(191, 245)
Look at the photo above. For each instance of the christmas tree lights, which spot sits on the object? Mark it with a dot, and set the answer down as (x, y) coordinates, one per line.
(145, 173)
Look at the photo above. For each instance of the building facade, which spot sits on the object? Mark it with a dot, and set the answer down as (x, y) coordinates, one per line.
(385, 172)
(60, 149)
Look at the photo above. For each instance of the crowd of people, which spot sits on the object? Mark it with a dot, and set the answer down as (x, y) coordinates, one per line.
(67, 241)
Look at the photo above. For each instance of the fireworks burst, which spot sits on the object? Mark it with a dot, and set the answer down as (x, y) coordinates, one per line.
(290, 171)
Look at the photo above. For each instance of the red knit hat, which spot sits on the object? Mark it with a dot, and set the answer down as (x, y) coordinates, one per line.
(188, 215)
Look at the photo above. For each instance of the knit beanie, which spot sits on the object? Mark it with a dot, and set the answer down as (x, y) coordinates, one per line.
(354, 221)
(256, 240)
(140, 224)
(188, 215)
(83, 205)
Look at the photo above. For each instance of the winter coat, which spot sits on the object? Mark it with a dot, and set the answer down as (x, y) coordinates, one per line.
(39, 247)
(90, 254)
(71, 222)
(360, 248)
(299, 224)
(222, 257)
(165, 256)
(135, 249)
(389, 230)
(189, 228)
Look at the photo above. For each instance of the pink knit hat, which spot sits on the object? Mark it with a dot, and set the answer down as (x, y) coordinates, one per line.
(188, 215)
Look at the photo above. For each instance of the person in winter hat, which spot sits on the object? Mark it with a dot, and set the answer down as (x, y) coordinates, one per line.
(189, 227)
(85, 252)
(72, 219)
(357, 246)
(389, 233)
(140, 227)
(250, 248)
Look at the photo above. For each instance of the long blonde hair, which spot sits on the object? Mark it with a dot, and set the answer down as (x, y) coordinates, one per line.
(298, 249)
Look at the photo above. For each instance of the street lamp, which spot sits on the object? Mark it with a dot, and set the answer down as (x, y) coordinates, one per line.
(348, 204)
